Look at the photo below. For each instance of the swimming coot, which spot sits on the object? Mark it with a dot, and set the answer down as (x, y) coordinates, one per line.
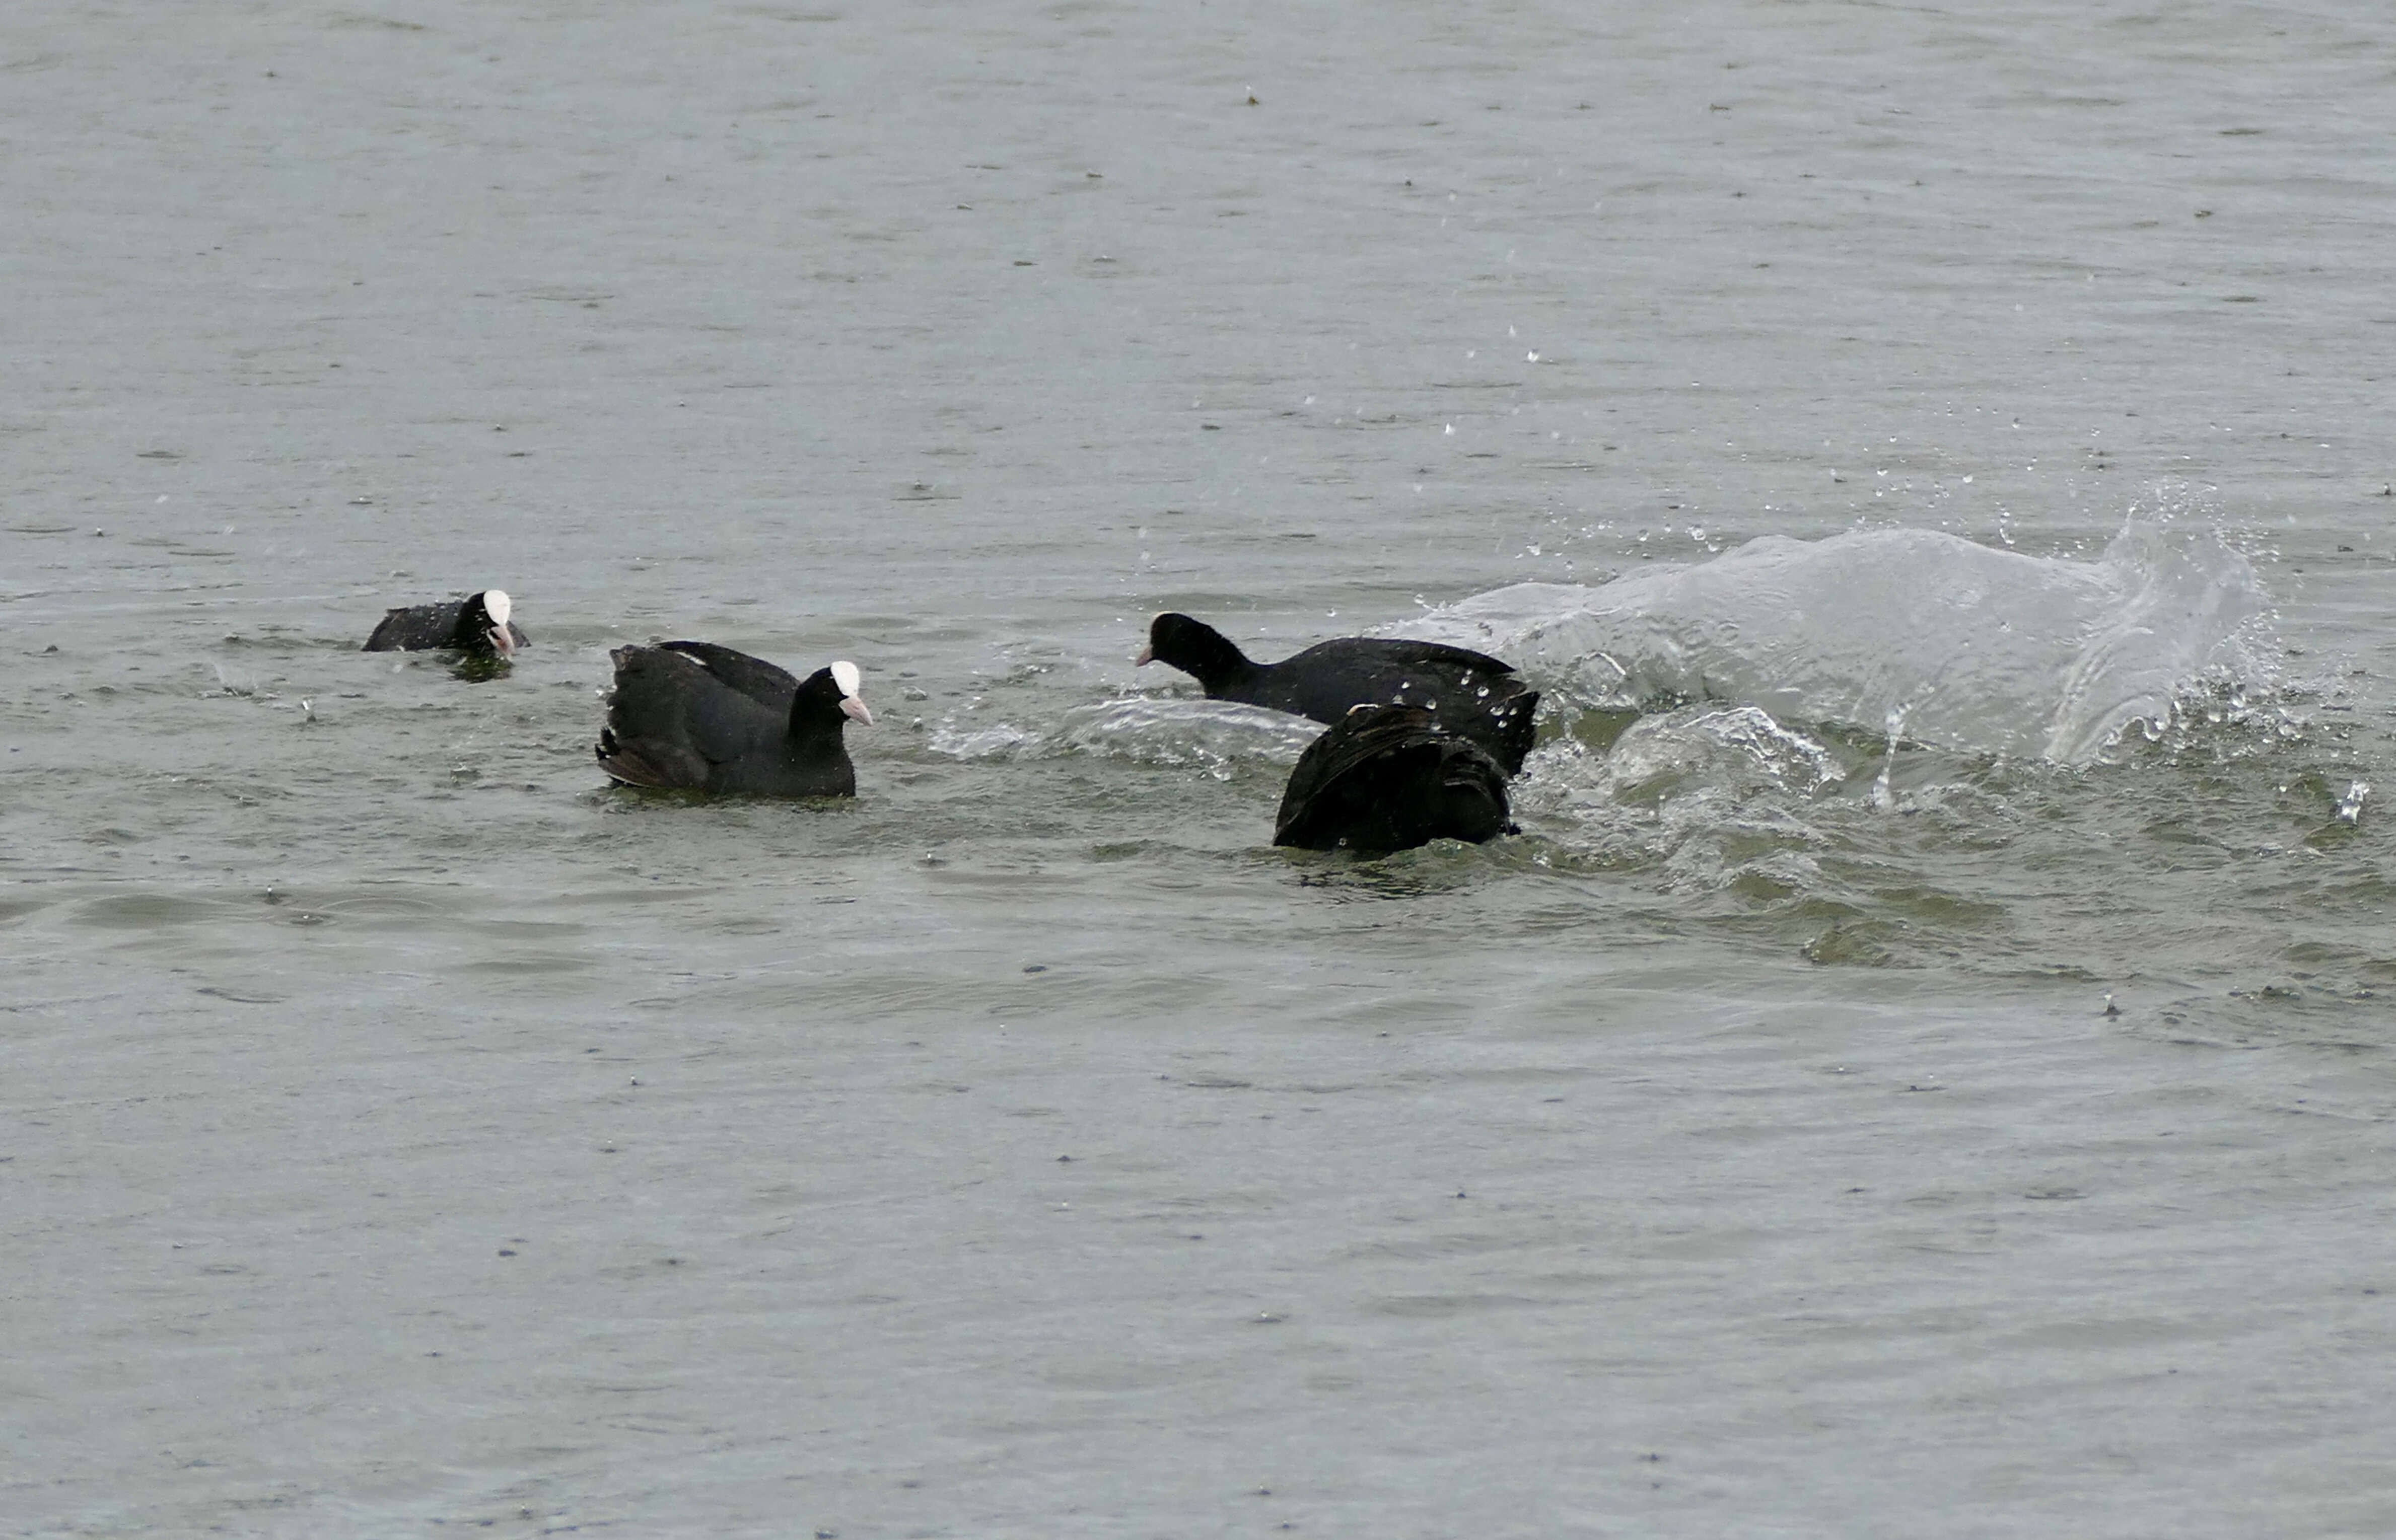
(476, 623)
(1391, 778)
(1475, 694)
(692, 714)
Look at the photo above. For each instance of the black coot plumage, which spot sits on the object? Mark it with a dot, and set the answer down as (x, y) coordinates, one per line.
(1391, 778)
(1474, 694)
(697, 716)
(474, 623)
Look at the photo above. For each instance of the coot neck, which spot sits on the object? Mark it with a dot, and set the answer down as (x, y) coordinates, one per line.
(816, 716)
(1218, 665)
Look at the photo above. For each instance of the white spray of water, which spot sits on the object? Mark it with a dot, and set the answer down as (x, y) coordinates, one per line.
(1963, 645)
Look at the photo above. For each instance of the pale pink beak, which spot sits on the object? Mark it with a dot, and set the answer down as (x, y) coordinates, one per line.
(502, 640)
(854, 708)
(1146, 656)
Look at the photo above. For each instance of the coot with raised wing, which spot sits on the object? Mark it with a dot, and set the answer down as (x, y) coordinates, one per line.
(1391, 778)
(696, 716)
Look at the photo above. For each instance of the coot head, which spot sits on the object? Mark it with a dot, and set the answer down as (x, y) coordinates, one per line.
(485, 621)
(1193, 647)
(829, 690)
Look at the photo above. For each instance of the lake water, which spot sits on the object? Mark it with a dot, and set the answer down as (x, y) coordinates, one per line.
(1924, 1069)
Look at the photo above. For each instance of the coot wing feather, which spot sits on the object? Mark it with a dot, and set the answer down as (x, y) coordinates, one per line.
(416, 627)
(386, 637)
(1386, 738)
(762, 681)
(1389, 779)
(650, 763)
(670, 720)
(1361, 736)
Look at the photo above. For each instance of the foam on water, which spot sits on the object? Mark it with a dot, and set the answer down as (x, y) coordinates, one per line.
(1905, 632)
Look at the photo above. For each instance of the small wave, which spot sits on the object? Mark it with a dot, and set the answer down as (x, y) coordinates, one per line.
(1166, 730)
(998, 741)
(1714, 745)
(1216, 735)
(1950, 642)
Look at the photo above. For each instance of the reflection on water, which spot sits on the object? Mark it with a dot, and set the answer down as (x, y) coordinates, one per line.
(475, 668)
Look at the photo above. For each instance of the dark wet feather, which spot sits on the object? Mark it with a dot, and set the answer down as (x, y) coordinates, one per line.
(695, 715)
(768, 685)
(1391, 778)
(429, 627)
(1474, 694)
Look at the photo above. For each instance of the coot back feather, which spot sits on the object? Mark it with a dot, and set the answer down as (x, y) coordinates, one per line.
(1474, 694)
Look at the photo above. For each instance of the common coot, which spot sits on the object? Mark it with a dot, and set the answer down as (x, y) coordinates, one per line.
(1474, 694)
(697, 716)
(474, 623)
(1391, 778)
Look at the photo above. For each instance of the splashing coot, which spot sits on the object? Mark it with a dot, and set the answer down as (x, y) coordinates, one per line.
(697, 716)
(1474, 695)
(475, 623)
(1391, 778)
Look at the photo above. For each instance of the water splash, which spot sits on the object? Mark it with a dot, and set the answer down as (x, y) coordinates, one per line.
(999, 740)
(1883, 796)
(1213, 735)
(1705, 799)
(1166, 730)
(1979, 649)
(1713, 746)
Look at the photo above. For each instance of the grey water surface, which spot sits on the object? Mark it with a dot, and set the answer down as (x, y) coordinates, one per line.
(1923, 1069)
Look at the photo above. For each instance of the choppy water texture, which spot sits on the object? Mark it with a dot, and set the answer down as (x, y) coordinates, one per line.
(1935, 464)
